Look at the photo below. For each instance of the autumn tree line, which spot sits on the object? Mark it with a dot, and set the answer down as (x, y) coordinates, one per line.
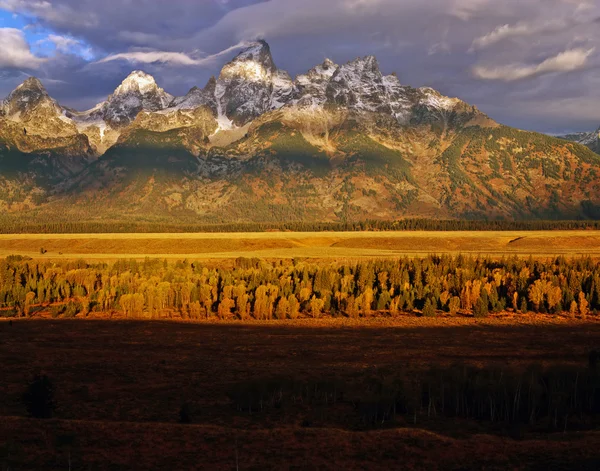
(11, 224)
(255, 289)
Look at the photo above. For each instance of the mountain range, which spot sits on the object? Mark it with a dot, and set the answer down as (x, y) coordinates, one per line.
(339, 143)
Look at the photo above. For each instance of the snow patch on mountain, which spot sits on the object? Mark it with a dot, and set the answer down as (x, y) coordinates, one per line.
(223, 122)
(284, 89)
(312, 86)
(590, 138)
(197, 97)
(398, 98)
(435, 100)
(245, 86)
(359, 85)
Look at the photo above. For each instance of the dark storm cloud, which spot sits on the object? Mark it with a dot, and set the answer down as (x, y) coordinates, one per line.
(528, 63)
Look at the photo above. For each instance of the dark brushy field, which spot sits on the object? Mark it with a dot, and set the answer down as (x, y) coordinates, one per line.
(121, 387)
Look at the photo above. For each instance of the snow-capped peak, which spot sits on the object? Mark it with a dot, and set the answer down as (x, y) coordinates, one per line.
(258, 52)
(137, 81)
(253, 64)
(138, 92)
(245, 86)
(32, 83)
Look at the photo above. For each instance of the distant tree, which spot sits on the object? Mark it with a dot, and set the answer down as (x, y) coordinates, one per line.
(294, 306)
(536, 293)
(429, 309)
(481, 309)
(29, 298)
(225, 307)
(583, 305)
(282, 311)
(445, 298)
(525, 306)
(384, 300)
(454, 305)
(316, 307)
(573, 308)
(39, 397)
(554, 297)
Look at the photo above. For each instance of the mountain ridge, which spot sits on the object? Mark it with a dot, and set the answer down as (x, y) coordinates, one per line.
(588, 139)
(339, 143)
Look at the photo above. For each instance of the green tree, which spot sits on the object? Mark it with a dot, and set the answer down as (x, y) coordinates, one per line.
(429, 309)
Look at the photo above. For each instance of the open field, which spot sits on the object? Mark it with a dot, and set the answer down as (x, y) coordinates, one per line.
(320, 245)
(120, 386)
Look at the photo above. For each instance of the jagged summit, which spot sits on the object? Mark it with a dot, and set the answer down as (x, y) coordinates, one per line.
(28, 100)
(137, 81)
(32, 83)
(245, 86)
(138, 92)
(29, 93)
(359, 84)
(258, 52)
(312, 85)
(254, 63)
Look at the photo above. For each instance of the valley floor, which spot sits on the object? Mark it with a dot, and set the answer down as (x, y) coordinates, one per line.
(120, 387)
(287, 245)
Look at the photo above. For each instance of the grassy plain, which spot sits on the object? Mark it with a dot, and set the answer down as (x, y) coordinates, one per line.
(120, 386)
(319, 245)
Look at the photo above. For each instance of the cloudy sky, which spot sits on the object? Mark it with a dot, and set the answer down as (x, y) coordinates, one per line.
(534, 64)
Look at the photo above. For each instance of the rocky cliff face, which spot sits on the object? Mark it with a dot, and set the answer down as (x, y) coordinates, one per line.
(198, 97)
(245, 87)
(31, 121)
(339, 143)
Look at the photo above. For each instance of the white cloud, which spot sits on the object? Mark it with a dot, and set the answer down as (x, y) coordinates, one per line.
(466, 9)
(522, 29)
(566, 61)
(57, 13)
(69, 45)
(15, 51)
(172, 58)
(152, 57)
(63, 43)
